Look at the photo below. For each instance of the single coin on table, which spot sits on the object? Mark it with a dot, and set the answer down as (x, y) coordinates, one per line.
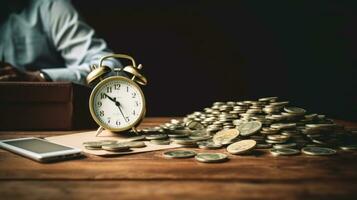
(241, 147)
(348, 147)
(93, 145)
(249, 128)
(211, 157)
(134, 144)
(284, 152)
(318, 151)
(179, 154)
(225, 136)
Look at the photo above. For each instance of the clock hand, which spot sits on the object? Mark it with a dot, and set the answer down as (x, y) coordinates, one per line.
(117, 104)
(112, 99)
(122, 114)
(121, 111)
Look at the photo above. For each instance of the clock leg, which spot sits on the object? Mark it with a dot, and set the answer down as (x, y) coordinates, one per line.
(135, 131)
(99, 131)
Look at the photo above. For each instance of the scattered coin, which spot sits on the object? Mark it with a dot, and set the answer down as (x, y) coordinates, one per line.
(179, 154)
(211, 157)
(318, 151)
(283, 146)
(275, 141)
(284, 152)
(184, 141)
(249, 128)
(349, 147)
(241, 147)
(270, 122)
(225, 136)
(278, 137)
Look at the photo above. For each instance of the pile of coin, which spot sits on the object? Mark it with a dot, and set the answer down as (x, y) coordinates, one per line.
(266, 123)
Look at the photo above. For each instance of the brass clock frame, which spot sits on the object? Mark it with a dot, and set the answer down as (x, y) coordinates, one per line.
(99, 122)
(100, 72)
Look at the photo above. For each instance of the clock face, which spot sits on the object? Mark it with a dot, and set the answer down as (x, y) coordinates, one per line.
(117, 103)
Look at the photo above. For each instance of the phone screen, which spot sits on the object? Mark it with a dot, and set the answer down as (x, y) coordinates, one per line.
(37, 146)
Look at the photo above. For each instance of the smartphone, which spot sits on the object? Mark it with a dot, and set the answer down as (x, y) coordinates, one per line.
(39, 149)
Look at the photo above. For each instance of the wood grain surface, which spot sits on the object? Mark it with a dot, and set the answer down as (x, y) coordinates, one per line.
(150, 176)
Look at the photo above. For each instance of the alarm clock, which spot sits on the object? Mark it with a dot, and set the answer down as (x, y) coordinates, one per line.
(117, 103)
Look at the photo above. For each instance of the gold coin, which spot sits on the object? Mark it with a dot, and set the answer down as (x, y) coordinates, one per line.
(225, 136)
(278, 137)
(134, 144)
(295, 110)
(249, 128)
(241, 147)
(116, 147)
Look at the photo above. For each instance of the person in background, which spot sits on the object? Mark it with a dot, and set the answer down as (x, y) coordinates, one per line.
(46, 40)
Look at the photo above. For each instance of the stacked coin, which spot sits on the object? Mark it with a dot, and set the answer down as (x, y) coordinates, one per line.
(113, 145)
(271, 123)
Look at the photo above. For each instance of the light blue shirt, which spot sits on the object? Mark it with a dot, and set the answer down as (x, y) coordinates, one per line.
(49, 35)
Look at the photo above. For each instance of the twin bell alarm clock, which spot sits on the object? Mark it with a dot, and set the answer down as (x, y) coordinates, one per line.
(117, 103)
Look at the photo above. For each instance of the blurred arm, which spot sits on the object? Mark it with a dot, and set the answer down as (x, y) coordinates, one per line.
(74, 40)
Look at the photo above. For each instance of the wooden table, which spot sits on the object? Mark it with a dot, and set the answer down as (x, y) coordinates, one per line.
(150, 176)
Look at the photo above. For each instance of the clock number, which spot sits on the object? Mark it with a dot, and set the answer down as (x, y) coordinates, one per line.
(133, 112)
(137, 103)
(109, 89)
(133, 95)
(116, 86)
(117, 122)
(102, 95)
(108, 120)
(127, 119)
(99, 103)
(127, 88)
(101, 113)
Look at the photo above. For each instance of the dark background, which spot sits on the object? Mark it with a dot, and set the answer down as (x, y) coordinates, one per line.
(198, 52)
